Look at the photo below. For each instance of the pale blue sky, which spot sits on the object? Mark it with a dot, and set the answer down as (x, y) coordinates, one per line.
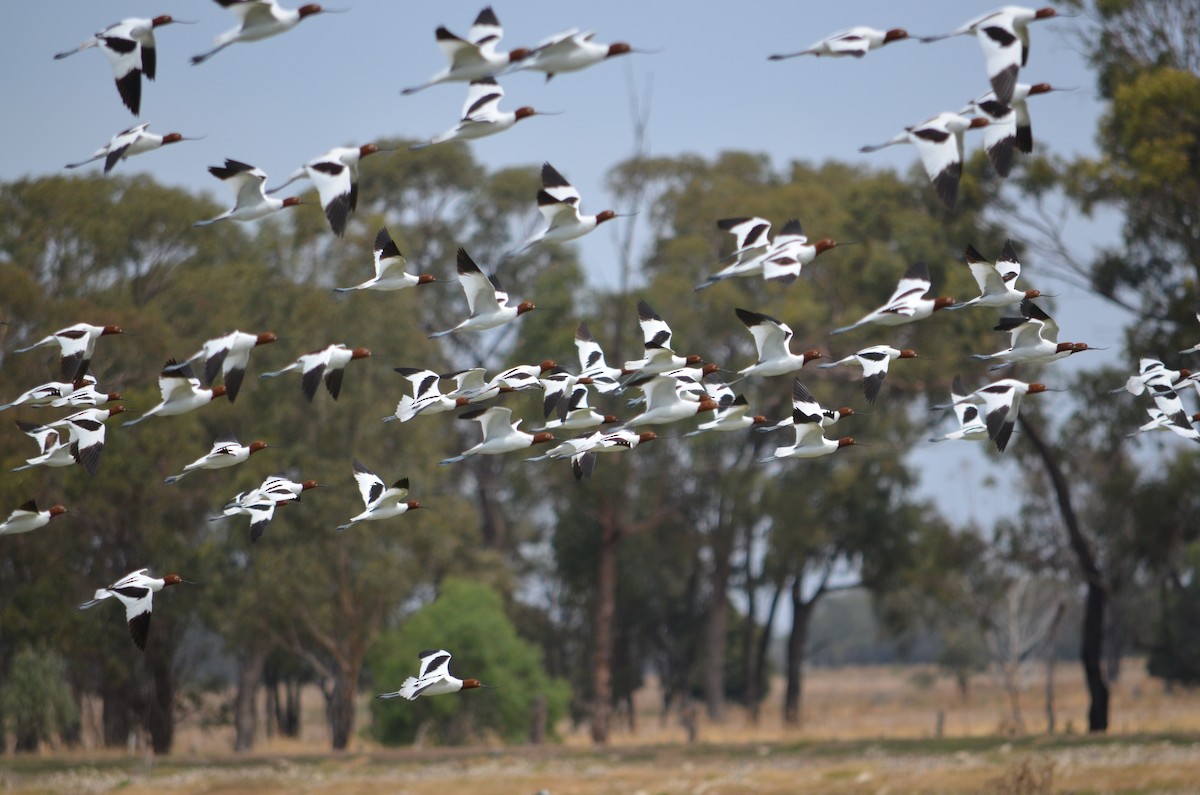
(336, 78)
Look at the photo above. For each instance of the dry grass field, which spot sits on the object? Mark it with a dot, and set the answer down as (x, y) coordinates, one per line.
(867, 730)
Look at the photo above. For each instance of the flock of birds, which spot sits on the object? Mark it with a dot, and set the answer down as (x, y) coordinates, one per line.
(674, 386)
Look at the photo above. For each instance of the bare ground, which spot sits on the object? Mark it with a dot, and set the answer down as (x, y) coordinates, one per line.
(867, 730)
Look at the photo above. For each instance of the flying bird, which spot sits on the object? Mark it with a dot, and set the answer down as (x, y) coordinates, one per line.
(856, 42)
(389, 268)
(487, 301)
(258, 19)
(335, 174)
(379, 500)
(250, 203)
(807, 417)
(474, 57)
(570, 51)
(328, 364)
(76, 345)
(558, 202)
(996, 280)
(28, 518)
(229, 355)
(874, 362)
(181, 392)
(434, 678)
(136, 591)
(127, 143)
(907, 304)
(481, 115)
(129, 47)
(1004, 36)
(939, 142)
(226, 452)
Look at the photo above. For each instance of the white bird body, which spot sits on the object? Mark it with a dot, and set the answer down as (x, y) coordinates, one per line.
(481, 115)
(907, 303)
(1003, 34)
(335, 175)
(257, 20)
(426, 398)
(328, 364)
(856, 42)
(558, 202)
(772, 339)
(83, 443)
(128, 143)
(230, 355)
(1034, 339)
(76, 345)
(42, 395)
(570, 51)
(225, 452)
(1001, 401)
(28, 518)
(592, 363)
(939, 142)
(971, 425)
(487, 301)
(656, 342)
(250, 203)
(181, 392)
(136, 591)
(874, 362)
(996, 280)
(474, 57)
(500, 434)
(807, 418)
(379, 501)
(665, 405)
(389, 268)
(434, 678)
(129, 47)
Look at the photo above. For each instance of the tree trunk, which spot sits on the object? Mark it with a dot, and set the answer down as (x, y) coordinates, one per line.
(245, 709)
(606, 608)
(717, 620)
(117, 712)
(797, 639)
(339, 711)
(160, 702)
(1092, 651)
(1095, 605)
(758, 681)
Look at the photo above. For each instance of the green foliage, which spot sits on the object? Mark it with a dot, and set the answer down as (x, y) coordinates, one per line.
(467, 619)
(35, 699)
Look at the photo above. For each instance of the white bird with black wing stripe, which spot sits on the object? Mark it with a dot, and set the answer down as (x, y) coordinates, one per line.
(939, 142)
(558, 202)
(487, 301)
(907, 303)
(474, 57)
(181, 392)
(389, 268)
(426, 397)
(656, 343)
(1001, 401)
(481, 115)
(127, 143)
(500, 434)
(250, 203)
(856, 42)
(129, 47)
(328, 364)
(136, 591)
(772, 339)
(971, 426)
(229, 355)
(807, 417)
(76, 346)
(226, 452)
(1003, 35)
(874, 362)
(258, 19)
(335, 174)
(434, 678)
(592, 364)
(379, 500)
(28, 518)
(996, 280)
